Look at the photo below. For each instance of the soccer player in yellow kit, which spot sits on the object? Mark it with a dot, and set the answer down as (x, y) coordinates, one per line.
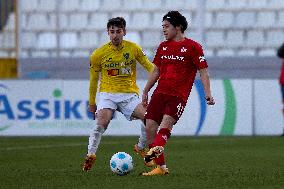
(115, 61)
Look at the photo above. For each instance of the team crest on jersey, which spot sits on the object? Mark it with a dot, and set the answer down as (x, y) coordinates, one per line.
(183, 49)
(165, 48)
(126, 55)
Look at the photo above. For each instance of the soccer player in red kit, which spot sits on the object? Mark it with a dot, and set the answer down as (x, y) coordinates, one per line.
(176, 63)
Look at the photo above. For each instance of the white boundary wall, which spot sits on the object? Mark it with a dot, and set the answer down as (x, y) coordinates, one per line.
(58, 107)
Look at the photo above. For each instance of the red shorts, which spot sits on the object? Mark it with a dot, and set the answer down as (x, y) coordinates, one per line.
(161, 104)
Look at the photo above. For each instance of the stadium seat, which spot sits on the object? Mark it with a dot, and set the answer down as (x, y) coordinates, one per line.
(215, 39)
(155, 37)
(132, 5)
(48, 6)
(208, 20)
(63, 21)
(236, 5)
(123, 14)
(156, 20)
(140, 20)
(98, 20)
(88, 40)
(68, 40)
(215, 4)
(150, 5)
(110, 5)
(174, 5)
(255, 39)
(245, 19)
(29, 5)
(224, 20)
(256, 4)
(47, 40)
(235, 39)
(191, 4)
(78, 21)
(89, 5)
(40, 21)
(69, 5)
(246, 27)
(265, 19)
(103, 38)
(280, 21)
(275, 4)
(274, 38)
(133, 36)
(29, 39)
(195, 36)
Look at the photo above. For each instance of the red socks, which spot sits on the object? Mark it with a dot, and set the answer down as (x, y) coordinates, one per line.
(160, 140)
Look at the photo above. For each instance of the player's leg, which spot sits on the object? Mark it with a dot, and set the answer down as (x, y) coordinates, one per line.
(172, 112)
(106, 108)
(160, 140)
(156, 151)
(153, 117)
(103, 118)
(141, 146)
(132, 108)
(282, 92)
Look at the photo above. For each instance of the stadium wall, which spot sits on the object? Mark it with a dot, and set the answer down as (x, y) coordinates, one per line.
(245, 107)
(219, 67)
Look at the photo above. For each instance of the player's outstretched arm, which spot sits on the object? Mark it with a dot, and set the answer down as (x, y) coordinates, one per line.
(206, 85)
(153, 77)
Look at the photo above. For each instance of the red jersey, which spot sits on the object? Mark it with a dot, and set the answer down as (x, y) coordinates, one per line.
(178, 63)
(281, 78)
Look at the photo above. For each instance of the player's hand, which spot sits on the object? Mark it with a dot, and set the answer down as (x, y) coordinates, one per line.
(92, 108)
(145, 99)
(210, 100)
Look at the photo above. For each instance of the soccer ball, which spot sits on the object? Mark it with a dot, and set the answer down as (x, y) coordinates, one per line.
(121, 163)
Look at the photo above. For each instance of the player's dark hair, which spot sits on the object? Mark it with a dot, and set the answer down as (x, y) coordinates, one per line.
(280, 51)
(118, 22)
(176, 19)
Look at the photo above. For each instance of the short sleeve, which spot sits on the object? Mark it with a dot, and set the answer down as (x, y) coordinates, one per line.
(157, 58)
(198, 57)
(141, 57)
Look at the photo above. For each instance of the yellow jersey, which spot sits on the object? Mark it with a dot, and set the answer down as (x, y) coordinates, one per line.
(117, 66)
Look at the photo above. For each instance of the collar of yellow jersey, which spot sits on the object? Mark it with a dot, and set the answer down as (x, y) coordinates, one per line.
(116, 48)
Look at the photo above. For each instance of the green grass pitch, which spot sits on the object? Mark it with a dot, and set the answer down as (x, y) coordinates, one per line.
(194, 162)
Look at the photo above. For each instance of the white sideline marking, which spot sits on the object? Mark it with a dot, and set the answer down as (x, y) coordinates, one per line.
(50, 146)
(42, 147)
